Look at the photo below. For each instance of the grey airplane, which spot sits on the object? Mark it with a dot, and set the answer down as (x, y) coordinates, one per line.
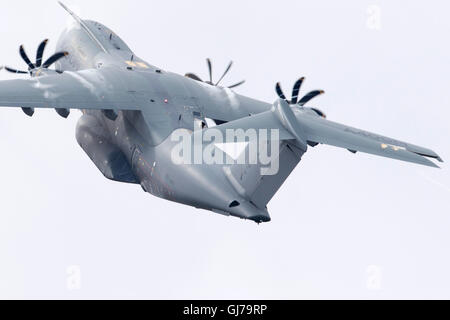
(136, 117)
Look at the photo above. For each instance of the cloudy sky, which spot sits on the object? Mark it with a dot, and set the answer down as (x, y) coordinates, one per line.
(344, 225)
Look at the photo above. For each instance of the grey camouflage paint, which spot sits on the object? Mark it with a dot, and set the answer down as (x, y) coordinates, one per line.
(130, 109)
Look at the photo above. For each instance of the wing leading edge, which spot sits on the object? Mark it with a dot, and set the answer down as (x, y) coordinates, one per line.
(87, 89)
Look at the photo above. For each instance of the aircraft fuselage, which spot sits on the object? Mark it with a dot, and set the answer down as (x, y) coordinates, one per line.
(124, 145)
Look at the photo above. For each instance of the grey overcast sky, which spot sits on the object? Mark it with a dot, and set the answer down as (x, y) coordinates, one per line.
(344, 225)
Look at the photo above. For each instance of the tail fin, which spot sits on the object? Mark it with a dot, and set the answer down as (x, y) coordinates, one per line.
(84, 26)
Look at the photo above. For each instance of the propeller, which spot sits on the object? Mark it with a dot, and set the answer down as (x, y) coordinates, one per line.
(33, 67)
(295, 96)
(211, 81)
(295, 93)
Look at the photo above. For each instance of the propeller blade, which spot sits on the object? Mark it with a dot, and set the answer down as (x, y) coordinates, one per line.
(210, 70)
(15, 71)
(225, 73)
(54, 58)
(40, 53)
(63, 113)
(28, 111)
(320, 113)
(237, 84)
(193, 76)
(310, 96)
(296, 90)
(25, 58)
(280, 92)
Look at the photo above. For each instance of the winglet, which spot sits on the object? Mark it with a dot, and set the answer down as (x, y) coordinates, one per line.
(84, 26)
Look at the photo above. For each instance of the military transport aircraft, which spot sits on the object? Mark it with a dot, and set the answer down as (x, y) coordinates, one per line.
(132, 110)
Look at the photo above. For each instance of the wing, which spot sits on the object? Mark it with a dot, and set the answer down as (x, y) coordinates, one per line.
(88, 89)
(319, 130)
(305, 128)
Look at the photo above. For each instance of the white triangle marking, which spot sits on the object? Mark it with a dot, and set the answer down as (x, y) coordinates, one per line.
(234, 149)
